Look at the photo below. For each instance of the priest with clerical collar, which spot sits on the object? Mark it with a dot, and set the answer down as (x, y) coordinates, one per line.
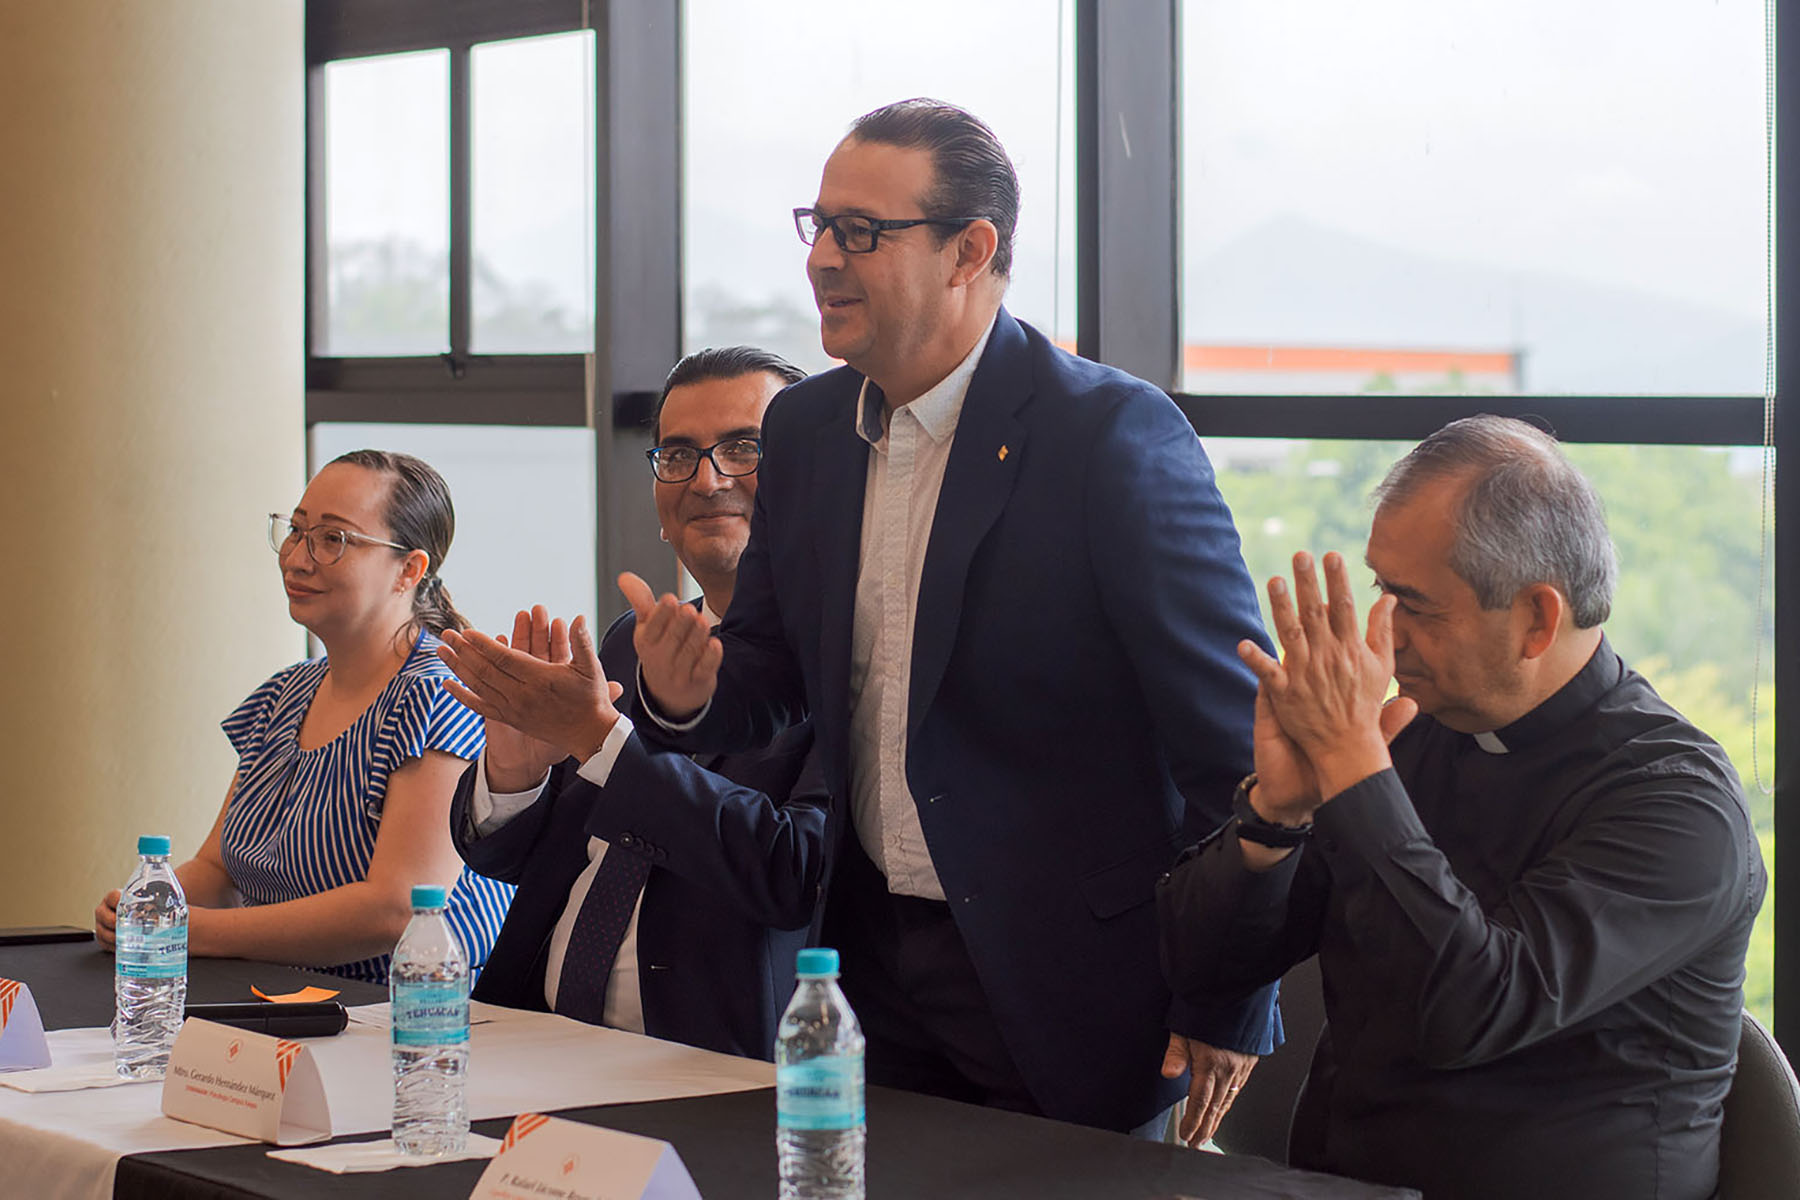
(1531, 909)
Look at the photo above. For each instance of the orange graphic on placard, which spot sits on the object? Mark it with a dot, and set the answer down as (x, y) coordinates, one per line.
(523, 1124)
(570, 1163)
(285, 1054)
(231, 1051)
(9, 991)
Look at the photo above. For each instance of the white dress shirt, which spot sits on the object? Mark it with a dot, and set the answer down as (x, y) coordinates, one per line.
(624, 1004)
(906, 472)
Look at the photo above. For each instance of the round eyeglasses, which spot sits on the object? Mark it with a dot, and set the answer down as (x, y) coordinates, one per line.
(326, 543)
(732, 457)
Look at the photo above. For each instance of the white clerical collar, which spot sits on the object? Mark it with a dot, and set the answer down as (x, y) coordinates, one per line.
(1491, 743)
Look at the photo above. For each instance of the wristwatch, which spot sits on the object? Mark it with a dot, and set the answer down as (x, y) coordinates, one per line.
(1251, 827)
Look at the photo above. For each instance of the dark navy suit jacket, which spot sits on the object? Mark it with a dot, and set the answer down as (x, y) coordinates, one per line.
(738, 861)
(1077, 714)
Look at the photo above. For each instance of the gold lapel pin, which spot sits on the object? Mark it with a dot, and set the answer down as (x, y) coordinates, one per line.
(1003, 454)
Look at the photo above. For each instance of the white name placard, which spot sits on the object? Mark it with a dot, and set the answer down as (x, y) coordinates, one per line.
(22, 1043)
(548, 1158)
(250, 1084)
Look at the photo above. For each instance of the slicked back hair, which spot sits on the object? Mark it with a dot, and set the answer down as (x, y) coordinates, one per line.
(724, 362)
(973, 175)
(1527, 515)
(419, 516)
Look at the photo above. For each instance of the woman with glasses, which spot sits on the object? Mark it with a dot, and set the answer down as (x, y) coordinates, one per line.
(346, 763)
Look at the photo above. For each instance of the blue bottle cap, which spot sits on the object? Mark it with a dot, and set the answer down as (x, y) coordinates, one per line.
(427, 895)
(154, 843)
(816, 961)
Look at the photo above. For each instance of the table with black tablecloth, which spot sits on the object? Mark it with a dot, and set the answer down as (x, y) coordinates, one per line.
(919, 1146)
(73, 982)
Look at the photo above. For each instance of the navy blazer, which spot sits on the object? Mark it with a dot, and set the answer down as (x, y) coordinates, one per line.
(1077, 712)
(737, 854)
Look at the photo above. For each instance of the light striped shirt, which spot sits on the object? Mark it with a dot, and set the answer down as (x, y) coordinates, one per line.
(906, 472)
(304, 821)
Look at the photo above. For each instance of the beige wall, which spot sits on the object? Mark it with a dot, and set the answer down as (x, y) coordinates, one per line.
(151, 183)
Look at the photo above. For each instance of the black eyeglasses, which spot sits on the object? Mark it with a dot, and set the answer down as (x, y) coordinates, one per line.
(859, 235)
(732, 457)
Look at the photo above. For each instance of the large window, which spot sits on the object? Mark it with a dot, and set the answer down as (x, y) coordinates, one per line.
(523, 267)
(525, 510)
(1684, 614)
(532, 210)
(452, 282)
(1326, 229)
(757, 136)
(1490, 196)
(387, 207)
(1405, 199)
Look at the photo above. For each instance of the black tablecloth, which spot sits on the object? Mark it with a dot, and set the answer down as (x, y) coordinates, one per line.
(918, 1146)
(73, 982)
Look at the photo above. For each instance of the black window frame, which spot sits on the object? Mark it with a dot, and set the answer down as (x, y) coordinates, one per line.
(637, 267)
(1128, 75)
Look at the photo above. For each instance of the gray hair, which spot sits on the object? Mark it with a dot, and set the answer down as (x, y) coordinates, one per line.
(1528, 516)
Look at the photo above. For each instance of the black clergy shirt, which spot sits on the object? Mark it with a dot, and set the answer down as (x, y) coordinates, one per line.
(1532, 944)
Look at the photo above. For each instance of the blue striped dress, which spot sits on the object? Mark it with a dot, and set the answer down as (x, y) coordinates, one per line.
(304, 821)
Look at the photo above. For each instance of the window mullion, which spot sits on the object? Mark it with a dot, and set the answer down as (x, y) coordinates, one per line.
(1664, 420)
(461, 191)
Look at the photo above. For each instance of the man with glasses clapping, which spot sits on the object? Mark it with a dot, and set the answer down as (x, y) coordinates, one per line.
(657, 894)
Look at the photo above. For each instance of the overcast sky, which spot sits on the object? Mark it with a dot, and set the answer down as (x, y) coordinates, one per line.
(1618, 144)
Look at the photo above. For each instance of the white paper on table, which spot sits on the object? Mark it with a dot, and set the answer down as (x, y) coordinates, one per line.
(351, 1158)
(77, 1078)
(68, 1143)
(532, 1062)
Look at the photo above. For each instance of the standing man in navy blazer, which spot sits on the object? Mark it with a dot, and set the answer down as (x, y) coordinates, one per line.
(656, 894)
(1001, 580)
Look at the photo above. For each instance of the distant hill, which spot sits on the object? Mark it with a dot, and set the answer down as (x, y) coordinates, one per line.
(1292, 282)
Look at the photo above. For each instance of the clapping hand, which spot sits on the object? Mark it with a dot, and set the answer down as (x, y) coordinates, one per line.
(544, 697)
(676, 651)
(1287, 789)
(1326, 692)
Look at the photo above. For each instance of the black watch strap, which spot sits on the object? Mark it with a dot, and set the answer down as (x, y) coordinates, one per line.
(1251, 827)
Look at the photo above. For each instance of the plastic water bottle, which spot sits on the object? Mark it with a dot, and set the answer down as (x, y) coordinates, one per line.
(149, 964)
(428, 986)
(819, 1129)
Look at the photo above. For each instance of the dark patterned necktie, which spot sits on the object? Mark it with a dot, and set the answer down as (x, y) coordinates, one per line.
(599, 931)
